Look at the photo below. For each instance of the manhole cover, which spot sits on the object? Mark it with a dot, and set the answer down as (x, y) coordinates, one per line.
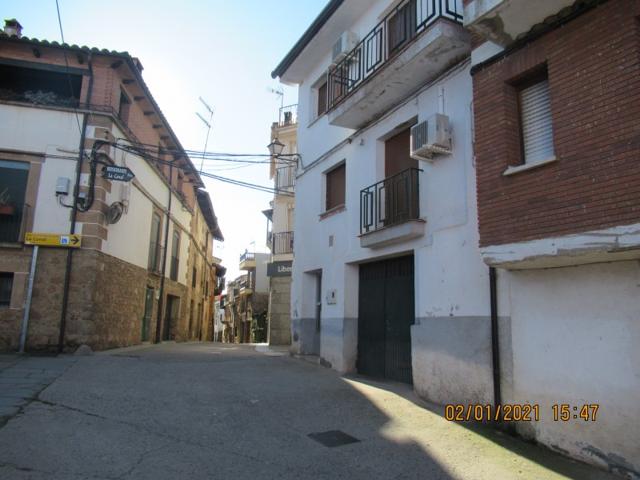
(333, 438)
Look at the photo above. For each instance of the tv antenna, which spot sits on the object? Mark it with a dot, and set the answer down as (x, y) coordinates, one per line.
(208, 124)
(279, 92)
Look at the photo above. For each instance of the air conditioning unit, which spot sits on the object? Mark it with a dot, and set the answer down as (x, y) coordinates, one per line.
(345, 43)
(430, 137)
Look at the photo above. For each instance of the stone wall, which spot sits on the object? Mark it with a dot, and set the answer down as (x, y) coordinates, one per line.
(280, 311)
(106, 301)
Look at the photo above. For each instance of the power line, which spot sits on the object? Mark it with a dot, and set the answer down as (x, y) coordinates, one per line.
(146, 155)
(66, 62)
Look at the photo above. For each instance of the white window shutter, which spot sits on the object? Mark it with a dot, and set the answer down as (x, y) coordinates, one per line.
(537, 129)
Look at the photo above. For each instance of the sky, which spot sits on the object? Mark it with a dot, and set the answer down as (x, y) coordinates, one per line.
(223, 51)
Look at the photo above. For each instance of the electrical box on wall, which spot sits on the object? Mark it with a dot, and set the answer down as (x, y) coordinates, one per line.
(332, 297)
(62, 186)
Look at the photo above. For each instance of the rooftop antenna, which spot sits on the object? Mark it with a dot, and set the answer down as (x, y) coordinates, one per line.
(208, 124)
(279, 92)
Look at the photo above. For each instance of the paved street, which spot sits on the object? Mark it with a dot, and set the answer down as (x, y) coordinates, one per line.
(203, 411)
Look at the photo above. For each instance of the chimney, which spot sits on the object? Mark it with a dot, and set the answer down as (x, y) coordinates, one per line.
(13, 28)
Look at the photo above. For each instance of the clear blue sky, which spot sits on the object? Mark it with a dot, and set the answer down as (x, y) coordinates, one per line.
(222, 50)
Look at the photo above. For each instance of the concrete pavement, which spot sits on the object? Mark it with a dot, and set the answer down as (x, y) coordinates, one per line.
(208, 411)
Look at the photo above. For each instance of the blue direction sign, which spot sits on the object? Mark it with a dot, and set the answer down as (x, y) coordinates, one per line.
(119, 174)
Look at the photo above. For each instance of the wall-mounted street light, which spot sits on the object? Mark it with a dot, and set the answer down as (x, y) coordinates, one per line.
(276, 148)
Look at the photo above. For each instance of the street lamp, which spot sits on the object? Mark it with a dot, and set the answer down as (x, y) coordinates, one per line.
(276, 148)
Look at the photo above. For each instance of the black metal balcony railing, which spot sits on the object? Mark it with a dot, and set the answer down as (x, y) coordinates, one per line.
(402, 25)
(247, 257)
(392, 201)
(281, 243)
(286, 177)
(288, 115)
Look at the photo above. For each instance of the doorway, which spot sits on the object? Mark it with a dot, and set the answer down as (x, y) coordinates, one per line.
(148, 312)
(171, 317)
(386, 313)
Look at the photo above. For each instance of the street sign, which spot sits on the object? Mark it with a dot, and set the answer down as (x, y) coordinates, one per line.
(53, 240)
(119, 174)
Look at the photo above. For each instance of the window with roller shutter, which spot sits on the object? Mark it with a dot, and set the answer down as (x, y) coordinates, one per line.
(535, 122)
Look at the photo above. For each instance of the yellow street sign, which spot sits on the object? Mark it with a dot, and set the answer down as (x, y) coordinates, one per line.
(53, 240)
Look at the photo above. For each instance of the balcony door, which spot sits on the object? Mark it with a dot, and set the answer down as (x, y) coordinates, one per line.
(397, 197)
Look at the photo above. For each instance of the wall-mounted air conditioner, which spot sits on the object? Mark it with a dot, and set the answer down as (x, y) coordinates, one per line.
(431, 137)
(345, 43)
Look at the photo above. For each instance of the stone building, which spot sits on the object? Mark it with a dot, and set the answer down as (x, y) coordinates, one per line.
(280, 235)
(144, 269)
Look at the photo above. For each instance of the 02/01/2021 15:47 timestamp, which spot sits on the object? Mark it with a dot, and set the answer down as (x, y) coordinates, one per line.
(519, 412)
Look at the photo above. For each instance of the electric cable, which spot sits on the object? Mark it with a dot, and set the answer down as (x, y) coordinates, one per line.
(66, 62)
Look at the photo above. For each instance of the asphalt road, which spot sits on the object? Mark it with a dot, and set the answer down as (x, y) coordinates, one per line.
(212, 411)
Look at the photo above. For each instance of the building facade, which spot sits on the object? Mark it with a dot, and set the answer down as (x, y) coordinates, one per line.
(387, 278)
(489, 255)
(68, 112)
(557, 143)
(280, 235)
(247, 301)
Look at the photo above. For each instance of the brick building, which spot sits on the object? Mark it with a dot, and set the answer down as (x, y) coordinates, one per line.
(144, 271)
(557, 148)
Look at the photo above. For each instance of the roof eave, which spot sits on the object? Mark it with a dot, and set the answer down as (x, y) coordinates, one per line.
(326, 13)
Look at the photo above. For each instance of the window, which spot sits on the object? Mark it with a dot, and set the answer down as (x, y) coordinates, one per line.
(193, 277)
(322, 99)
(536, 127)
(123, 108)
(175, 256)
(335, 180)
(42, 87)
(13, 187)
(154, 243)
(6, 284)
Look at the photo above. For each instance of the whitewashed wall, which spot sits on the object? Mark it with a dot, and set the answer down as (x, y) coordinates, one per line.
(451, 281)
(575, 334)
(53, 134)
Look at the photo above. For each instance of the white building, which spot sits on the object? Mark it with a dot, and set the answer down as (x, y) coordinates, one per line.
(387, 277)
(280, 235)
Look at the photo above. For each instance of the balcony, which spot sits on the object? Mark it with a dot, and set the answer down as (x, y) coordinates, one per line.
(247, 261)
(390, 210)
(288, 116)
(286, 178)
(503, 22)
(413, 44)
(282, 243)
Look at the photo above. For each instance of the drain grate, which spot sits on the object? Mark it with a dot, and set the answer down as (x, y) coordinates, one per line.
(333, 438)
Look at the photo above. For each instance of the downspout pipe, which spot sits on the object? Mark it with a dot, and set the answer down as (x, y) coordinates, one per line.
(74, 211)
(161, 302)
(495, 338)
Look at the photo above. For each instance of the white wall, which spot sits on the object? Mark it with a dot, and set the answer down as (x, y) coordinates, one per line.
(129, 238)
(575, 336)
(450, 281)
(53, 134)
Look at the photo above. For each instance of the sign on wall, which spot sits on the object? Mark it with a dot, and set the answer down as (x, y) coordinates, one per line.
(279, 269)
(53, 240)
(119, 174)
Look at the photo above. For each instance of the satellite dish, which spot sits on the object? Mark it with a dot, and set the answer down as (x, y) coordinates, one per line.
(114, 212)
